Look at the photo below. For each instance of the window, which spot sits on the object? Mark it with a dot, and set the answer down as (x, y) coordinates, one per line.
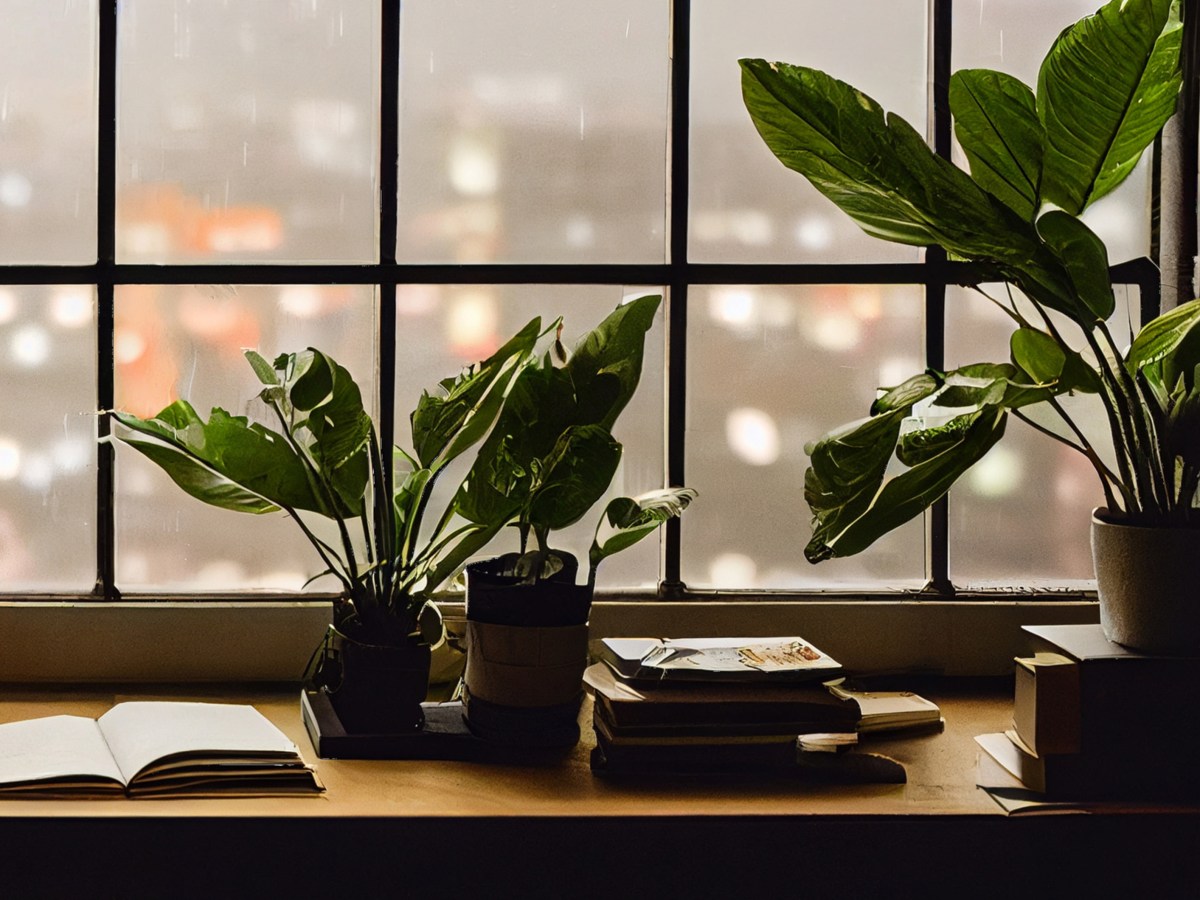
(182, 180)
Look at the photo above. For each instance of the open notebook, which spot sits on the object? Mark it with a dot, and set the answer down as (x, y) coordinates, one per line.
(153, 749)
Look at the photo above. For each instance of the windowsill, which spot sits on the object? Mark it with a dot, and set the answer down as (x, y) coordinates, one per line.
(552, 829)
(87, 642)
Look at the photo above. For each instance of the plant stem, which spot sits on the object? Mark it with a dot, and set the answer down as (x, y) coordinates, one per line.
(1010, 310)
(1110, 396)
(1086, 449)
(1150, 448)
(321, 548)
(315, 480)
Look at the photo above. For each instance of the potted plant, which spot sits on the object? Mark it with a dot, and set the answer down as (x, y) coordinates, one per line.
(320, 456)
(549, 459)
(1037, 160)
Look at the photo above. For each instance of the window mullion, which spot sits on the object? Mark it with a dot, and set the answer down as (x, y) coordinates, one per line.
(389, 94)
(938, 517)
(678, 282)
(106, 179)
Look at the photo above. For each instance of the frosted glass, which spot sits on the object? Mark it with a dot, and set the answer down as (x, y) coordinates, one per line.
(247, 131)
(533, 131)
(745, 205)
(48, 131)
(770, 369)
(1020, 517)
(47, 438)
(1013, 36)
(187, 341)
(442, 328)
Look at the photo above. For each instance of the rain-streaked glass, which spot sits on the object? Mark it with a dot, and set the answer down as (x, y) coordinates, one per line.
(1013, 36)
(745, 206)
(1019, 518)
(47, 438)
(247, 131)
(769, 370)
(533, 131)
(186, 341)
(48, 131)
(442, 328)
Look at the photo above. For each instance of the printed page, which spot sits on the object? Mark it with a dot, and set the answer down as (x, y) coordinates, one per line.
(55, 748)
(739, 655)
(141, 732)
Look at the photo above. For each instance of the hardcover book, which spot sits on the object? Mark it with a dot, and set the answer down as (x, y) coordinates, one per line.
(791, 708)
(1125, 698)
(153, 749)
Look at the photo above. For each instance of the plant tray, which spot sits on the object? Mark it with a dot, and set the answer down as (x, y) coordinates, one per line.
(444, 736)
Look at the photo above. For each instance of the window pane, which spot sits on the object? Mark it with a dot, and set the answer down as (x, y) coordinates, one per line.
(770, 369)
(48, 131)
(1013, 36)
(47, 438)
(442, 328)
(187, 341)
(745, 206)
(533, 131)
(1020, 516)
(247, 131)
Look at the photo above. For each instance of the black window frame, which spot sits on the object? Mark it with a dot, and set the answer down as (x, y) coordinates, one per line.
(677, 273)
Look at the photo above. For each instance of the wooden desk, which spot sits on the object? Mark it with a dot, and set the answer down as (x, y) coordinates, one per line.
(523, 830)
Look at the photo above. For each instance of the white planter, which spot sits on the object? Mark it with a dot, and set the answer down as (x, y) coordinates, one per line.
(1148, 579)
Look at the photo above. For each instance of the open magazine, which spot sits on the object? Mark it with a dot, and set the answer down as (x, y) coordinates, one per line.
(153, 749)
(717, 659)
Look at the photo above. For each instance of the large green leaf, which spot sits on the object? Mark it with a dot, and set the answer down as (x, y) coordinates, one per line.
(908, 494)
(544, 405)
(573, 477)
(996, 122)
(1085, 259)
(445, 425)
(1162, 335)
(627, 520)
(1038, 354)
(1105, 89)
(200, 480)
(1166, 352)
(877, 168)
(847, 469)
(332, 425)
(225, 461)
(607, 362)
(907, 393)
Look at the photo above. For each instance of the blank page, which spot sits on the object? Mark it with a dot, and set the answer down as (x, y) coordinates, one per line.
(143, 731)
(54, 748)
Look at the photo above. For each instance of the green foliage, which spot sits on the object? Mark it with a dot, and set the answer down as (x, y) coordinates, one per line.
(551, 455)
(546, 454)
(627, 520)
(1037, 160)
(323, 457)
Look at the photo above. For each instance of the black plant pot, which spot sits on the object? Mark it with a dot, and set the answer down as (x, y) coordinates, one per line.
(526, 652)
(374, 688)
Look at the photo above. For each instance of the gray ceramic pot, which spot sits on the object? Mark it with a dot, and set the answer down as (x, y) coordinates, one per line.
(1148, 579)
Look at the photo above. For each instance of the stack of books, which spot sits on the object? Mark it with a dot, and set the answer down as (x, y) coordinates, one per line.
(1094, 720)
(729, 704)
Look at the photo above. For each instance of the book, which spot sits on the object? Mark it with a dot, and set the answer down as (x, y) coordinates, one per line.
(775, 755)
(787, 708)
(732, 659)
(1046, 703)
(153, 749)
(890, 710)
(1155, 772)
(1126, 698)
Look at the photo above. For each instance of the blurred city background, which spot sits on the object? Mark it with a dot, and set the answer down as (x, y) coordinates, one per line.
(529, 132)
